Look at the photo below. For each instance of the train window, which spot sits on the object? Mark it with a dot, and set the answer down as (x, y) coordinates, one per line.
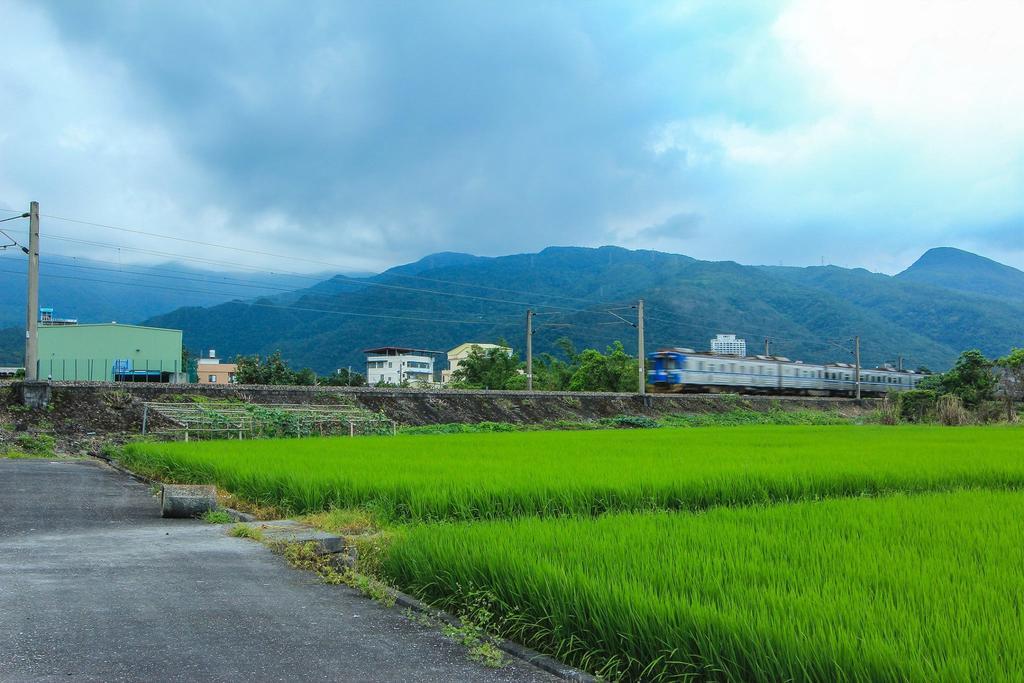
(700, 365)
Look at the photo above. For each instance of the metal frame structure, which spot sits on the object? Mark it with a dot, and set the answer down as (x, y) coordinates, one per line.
(254, 421)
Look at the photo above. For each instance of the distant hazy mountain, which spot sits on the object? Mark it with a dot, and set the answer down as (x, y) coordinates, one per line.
(446, 299)
(966, 272)
(99, 291)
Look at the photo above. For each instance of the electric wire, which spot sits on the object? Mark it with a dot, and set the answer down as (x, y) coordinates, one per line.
(329, 264)
(364, 282)
(489, 321)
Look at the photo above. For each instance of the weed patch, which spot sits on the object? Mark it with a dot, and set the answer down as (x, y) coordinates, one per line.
(217, 517)
(243, 531)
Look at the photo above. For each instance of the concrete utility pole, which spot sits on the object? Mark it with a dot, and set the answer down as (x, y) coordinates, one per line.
(32, 303)
(856, 360)
(529, 350)
(640, 345)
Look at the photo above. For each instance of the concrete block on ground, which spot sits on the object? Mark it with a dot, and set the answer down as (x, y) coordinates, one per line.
(290, 531)
(33, 394)
(179, 500)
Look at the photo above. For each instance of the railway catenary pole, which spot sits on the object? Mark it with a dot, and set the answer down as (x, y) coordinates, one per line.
(856, 367)
(767, 346)
(529, 349)
(32, 300)
(640, 346)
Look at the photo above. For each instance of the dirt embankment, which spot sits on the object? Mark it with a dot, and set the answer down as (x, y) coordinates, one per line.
(83, 416)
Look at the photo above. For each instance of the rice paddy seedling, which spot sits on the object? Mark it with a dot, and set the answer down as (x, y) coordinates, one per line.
(492, 476)
(902, 588)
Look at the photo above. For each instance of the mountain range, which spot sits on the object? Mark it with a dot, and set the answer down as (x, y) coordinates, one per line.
(947, 301)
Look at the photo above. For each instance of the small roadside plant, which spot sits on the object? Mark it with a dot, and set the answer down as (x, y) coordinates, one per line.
(309, 557)
(217, 517)
(244, 531)
(30, 446)
(474, 632)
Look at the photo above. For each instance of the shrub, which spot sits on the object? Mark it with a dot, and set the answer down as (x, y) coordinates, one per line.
(950, 410)
(917, 405)
(631, 422)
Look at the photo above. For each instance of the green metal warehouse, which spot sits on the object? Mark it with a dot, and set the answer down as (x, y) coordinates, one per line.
(110, 352)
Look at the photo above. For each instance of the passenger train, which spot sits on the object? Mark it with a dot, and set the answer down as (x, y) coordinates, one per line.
(681, 370)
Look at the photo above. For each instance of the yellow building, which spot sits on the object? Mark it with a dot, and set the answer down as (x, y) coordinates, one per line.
(461, 352)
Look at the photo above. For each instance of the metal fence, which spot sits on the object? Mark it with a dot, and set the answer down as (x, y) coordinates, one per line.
(235, 420)
(111, 370)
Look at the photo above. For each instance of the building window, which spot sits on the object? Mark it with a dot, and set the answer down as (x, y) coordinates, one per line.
(213, 379)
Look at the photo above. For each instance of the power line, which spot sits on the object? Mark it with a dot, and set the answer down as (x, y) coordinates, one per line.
(279, 255)
(356, 282)
(312, 295)
(819, 343)
(490, 321)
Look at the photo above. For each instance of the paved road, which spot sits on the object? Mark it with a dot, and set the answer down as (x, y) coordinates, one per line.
(94, 585)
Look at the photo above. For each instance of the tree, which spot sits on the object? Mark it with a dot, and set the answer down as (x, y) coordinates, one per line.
(343, 378)
(274, 370)
(615, 370)
(550, 373)
(493, 368)
(1011, 380)
(971, 379)
(189, 365)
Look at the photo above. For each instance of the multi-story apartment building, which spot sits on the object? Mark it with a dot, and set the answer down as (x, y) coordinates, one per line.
(728, 345)
(397, 364)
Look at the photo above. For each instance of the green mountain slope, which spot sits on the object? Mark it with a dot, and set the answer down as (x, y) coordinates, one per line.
(963, 271)
(443, 300)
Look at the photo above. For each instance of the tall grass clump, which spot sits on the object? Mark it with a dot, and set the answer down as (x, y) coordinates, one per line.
(950, 411)
(904, 588)
(490, 476)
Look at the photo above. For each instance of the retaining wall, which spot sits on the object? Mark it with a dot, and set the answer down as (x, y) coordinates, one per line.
(419, 407)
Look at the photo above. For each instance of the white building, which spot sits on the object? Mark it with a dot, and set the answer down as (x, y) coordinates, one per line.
(396, 364)
(728, 345)
(461, 353)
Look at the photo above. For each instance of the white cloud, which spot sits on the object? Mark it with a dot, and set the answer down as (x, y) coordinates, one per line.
(944, 68)
(721, 139)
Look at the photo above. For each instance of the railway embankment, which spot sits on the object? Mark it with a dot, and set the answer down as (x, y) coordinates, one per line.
(79, 414)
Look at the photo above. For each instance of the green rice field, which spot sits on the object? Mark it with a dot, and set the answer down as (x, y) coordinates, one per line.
(920, 588)
(760, 553)
(492, 476)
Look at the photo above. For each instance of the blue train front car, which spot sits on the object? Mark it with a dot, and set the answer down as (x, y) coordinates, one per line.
(666, 367)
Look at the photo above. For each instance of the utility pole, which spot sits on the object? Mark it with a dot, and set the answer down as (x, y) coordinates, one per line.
(856, 360)
(529, 350)
(899, 363)
(767, 346)
(640, 345)
(32, 304)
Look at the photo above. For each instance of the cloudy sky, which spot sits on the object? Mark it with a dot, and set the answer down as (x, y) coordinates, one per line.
(368, 134)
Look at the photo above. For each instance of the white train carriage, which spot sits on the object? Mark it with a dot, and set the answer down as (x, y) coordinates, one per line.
(686, 370)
